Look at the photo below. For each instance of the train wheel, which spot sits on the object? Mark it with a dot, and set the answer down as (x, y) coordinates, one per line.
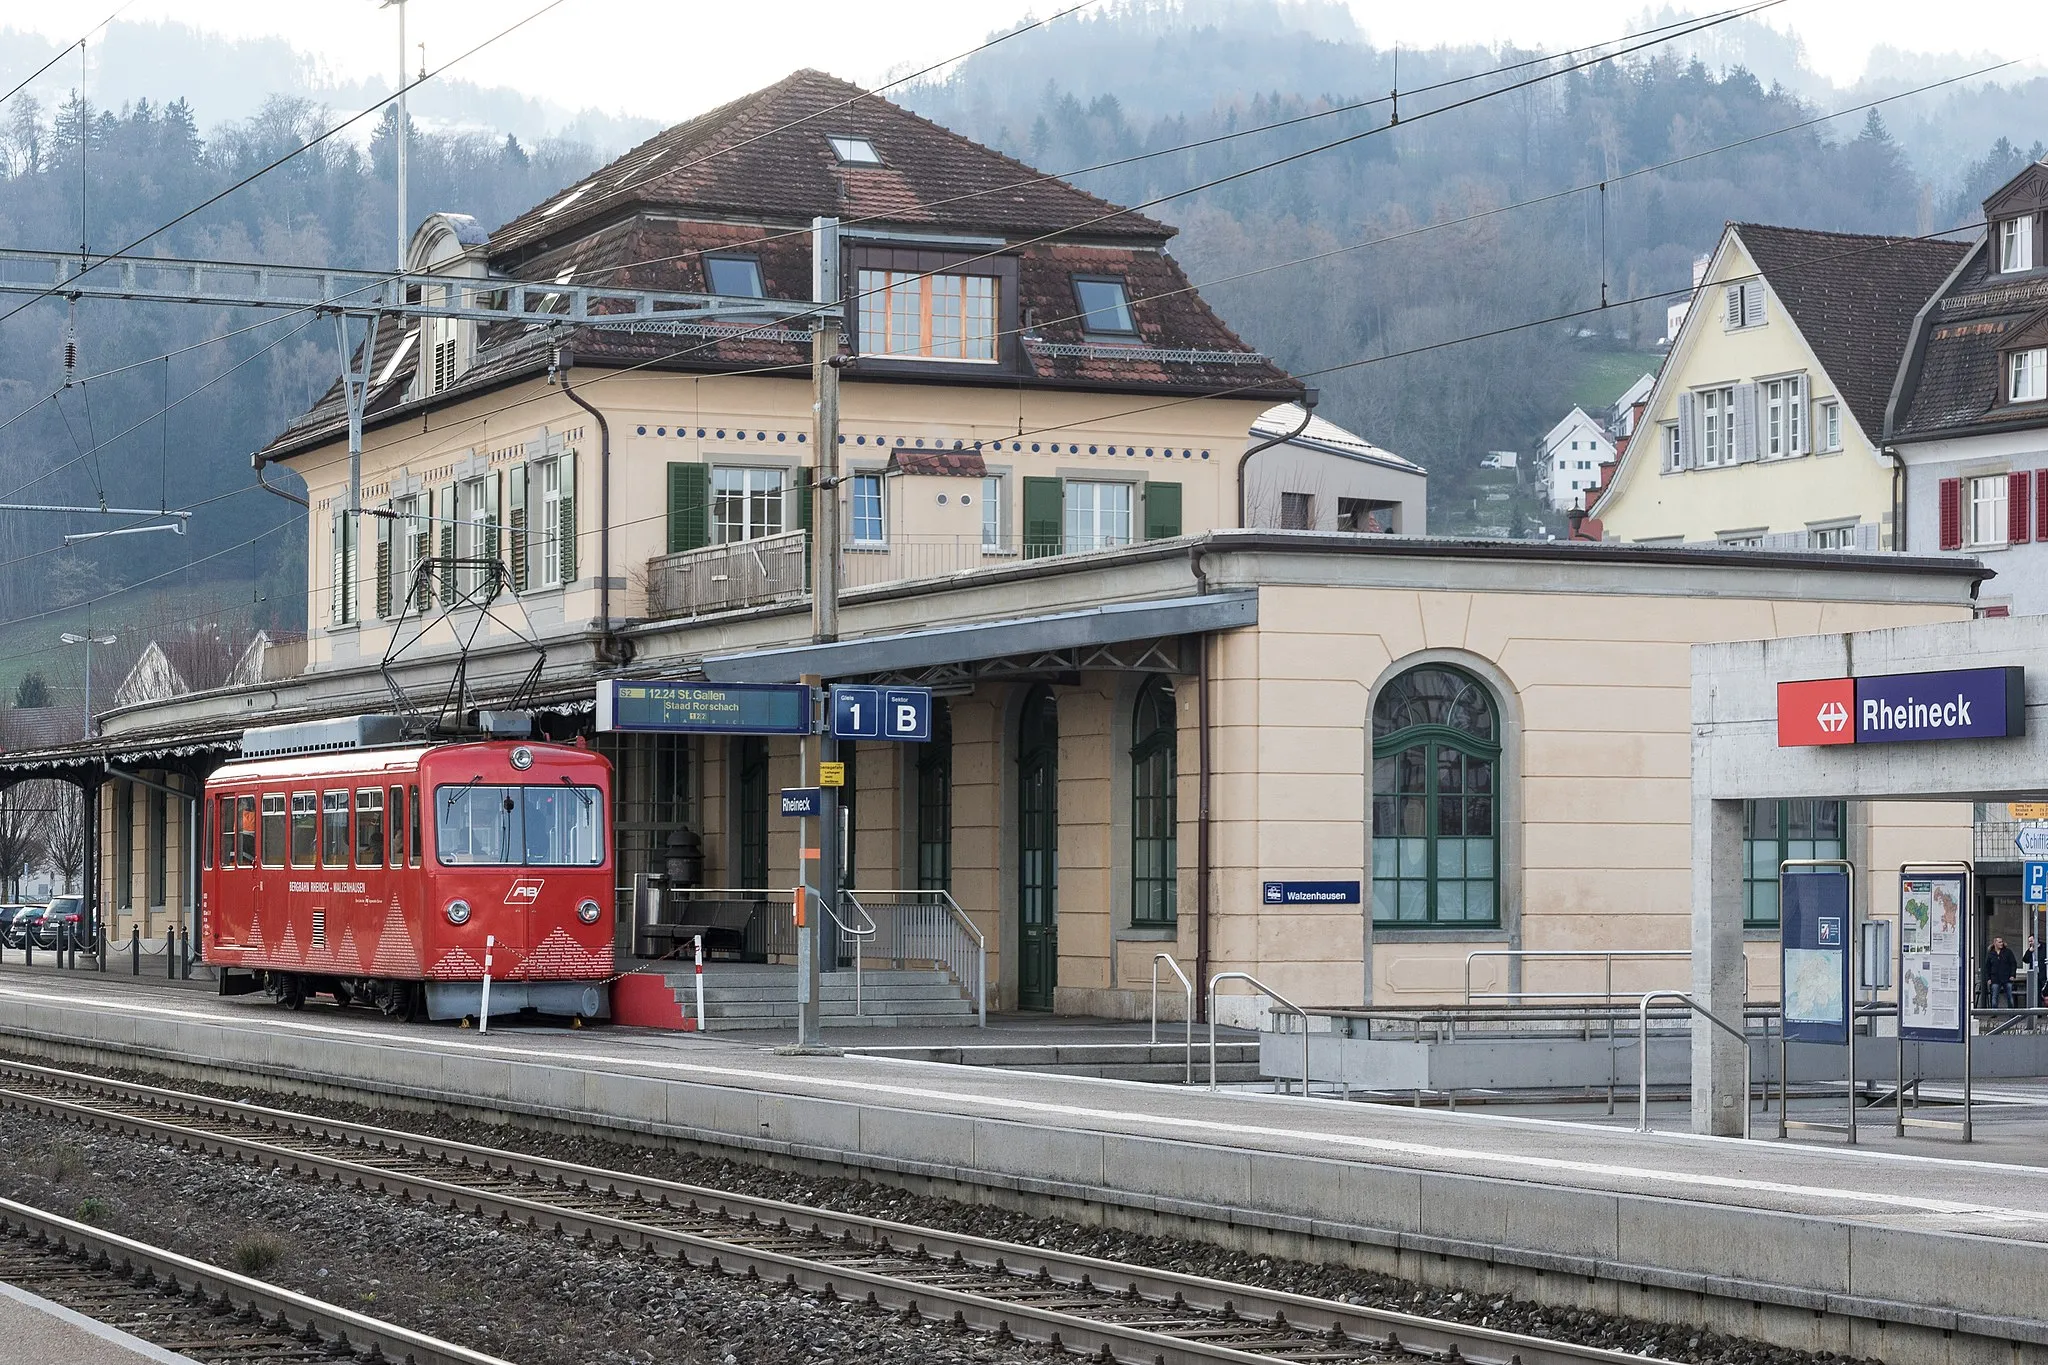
(343, 993)
(292, 993)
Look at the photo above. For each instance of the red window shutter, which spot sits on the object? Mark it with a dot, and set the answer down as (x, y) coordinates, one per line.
(2018, 502)
(2041, 506)
(1951, 497)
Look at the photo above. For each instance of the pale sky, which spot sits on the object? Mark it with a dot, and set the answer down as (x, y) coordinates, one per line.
(665, 60)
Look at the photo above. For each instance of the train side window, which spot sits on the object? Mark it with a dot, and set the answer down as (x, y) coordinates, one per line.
(273, 830)
(305, 827)
(370, 827)
(396, 807)
(216, 822)
(245, 833)
(412, 810)
(334, 829)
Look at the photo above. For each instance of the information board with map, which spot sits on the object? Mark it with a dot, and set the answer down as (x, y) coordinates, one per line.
(1813, 926)
(1933, 957)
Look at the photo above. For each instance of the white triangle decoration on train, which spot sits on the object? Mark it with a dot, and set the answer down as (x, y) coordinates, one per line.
(347, 957)
(397, 954)
(288, 949)
(255, 943)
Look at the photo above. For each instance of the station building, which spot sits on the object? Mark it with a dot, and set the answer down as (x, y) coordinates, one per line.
(1063, 510)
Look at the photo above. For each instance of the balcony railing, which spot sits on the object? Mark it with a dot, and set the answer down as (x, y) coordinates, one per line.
(747, 573)
(1995, 841)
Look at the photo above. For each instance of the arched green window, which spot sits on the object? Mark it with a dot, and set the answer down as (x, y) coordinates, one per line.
(1154, 861)
(1435, 800)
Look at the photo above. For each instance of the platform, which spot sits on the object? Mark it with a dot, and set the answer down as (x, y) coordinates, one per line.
(1931, 1240)
(33, 1329)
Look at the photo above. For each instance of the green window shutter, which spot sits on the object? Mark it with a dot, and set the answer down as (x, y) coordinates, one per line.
(422, 533)
(384, 529)
(567, 530)
(493, 517)
(807, 481)
(1162, 510)
(445, 571)
(337, 537)
(1044, 512)
(515, 519)
(689, 507)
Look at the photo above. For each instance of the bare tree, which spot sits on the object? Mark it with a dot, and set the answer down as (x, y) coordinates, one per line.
(62, 809)
(21, 844)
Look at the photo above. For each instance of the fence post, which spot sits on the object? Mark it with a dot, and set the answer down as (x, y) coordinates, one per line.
(28, 946)
(170, 952)
(99, 940)
(184, 952)
(135, 950)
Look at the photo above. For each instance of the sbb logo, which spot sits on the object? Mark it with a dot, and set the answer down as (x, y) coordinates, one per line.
(1820, 712)
(525, 891)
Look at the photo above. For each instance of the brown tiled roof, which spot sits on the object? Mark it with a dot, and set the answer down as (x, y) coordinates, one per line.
(766, 154)
(1853, 297)
(1950, 386)
(958, 464)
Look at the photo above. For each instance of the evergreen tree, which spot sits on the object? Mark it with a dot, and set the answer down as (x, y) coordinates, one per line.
(32, 691)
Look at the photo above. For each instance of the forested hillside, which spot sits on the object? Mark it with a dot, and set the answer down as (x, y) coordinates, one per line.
(1365, 267)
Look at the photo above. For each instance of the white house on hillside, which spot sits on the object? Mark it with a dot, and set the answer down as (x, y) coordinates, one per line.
(1573, 452)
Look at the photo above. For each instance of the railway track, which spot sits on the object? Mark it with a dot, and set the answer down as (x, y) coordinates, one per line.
(195, 1309)
(1105, 1310)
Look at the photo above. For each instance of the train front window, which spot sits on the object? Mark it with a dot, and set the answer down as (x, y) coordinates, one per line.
(245, 832)
(561, 826)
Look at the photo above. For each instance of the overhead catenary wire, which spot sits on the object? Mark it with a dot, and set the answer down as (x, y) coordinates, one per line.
(61, 52)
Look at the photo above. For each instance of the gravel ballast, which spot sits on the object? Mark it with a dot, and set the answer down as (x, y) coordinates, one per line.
(627, 1281)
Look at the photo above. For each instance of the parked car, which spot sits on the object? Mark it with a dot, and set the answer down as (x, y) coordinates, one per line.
(64, 910)
(14, 924)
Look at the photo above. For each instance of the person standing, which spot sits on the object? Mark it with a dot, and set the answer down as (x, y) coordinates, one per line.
(2000, 966)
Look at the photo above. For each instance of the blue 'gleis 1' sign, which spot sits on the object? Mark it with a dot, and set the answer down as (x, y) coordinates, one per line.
(1964, 703)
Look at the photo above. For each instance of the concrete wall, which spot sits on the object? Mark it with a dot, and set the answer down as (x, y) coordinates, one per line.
(1647, 503)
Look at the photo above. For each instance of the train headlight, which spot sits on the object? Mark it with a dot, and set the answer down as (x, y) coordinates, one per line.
(522, 758)
(588, 911)
(458, 912)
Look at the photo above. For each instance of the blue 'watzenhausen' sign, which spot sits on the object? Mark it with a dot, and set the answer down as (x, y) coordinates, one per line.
(1311, 893)
(1967, 703)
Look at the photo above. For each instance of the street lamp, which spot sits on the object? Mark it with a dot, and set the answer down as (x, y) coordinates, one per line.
(404, 234)
(88, 640)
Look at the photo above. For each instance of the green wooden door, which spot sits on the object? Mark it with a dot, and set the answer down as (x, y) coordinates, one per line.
(1038, 823)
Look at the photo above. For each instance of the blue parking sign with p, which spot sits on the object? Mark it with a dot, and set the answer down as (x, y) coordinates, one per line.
(2034, 883)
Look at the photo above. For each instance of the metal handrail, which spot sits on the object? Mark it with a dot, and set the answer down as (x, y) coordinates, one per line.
(1277, 999)
(1524, 954)
(1189, 987)
(856, 934)
(1643, 1047)
(940, 899)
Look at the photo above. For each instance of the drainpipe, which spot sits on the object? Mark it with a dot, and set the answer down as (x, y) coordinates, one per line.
(267, 486)
(1202, 786)
(1898, 497)
(1308, 410)
(609, 649)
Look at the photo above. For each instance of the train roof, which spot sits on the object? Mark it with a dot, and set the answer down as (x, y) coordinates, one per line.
(379, 760)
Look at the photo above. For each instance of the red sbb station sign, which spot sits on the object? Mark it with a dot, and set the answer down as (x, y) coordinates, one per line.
(1892, 708)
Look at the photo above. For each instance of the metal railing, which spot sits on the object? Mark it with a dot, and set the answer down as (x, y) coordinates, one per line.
(859, 933)
(744, 573)
(1995, 841)
(1643, 1047)
(926, 925)
(1278, 999)
(1187, 986)
(1606, 957)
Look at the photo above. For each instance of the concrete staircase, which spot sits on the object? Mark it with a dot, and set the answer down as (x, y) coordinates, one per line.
(1237, 1063)
(759, 996)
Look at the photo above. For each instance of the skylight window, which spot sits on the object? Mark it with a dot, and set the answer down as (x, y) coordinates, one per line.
(571, 197)
(1104, 306)
(735, 276)
(854, 151)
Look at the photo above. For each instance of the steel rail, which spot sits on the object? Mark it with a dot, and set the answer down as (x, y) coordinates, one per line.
(258, 1321)
(1001, 1287)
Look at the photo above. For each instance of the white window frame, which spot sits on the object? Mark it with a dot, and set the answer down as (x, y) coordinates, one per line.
(860, 488)
(1097, 515)
(758, 496)
(544, 534)
(2016, 244)
(1741, 540)
(1839, 535)
(1986, 507)
(473, 514)
(995, 539)
(2026, 375)
(1717, 426)
(1829, 422)
(406, 512)
(1784, 414)
(1667, 440)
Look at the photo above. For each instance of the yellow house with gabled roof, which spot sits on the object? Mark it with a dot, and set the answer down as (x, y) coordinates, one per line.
(1765, 425)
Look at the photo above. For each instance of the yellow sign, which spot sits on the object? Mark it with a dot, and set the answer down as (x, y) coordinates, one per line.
(2030, 810)
(831, 774)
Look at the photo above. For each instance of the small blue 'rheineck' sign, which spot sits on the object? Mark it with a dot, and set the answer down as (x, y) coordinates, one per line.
(1311, 893)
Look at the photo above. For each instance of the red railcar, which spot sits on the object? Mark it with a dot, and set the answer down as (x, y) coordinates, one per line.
(337, 865)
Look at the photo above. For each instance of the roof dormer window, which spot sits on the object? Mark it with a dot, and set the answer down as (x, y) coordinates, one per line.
(2016, 244)
(1104, 306)
(854, 151)
(2026, 375)
(736, 277)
